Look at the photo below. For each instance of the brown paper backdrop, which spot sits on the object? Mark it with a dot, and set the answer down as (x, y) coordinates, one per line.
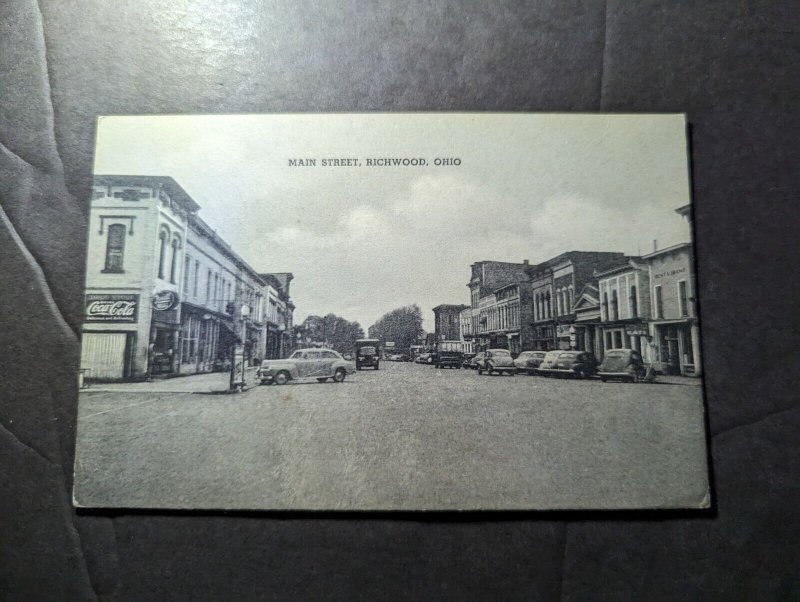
(732, 66)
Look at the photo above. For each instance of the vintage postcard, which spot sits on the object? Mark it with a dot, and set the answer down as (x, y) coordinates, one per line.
(391, 311)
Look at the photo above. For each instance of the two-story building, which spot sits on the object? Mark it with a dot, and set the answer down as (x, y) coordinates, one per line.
(674, 321)
(165, 295)
(624, 292)
(466, 334)
(137, 237)
(279, 315)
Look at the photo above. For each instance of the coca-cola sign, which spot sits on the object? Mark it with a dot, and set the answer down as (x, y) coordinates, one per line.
(112, 308)
(165, 300)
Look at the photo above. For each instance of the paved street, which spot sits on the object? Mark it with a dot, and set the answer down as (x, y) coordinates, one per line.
(404, 437)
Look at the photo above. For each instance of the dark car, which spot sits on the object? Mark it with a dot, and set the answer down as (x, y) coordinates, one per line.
(578, 364)
(622, 364)
(528, 361)
(367, 353)
(467, 362)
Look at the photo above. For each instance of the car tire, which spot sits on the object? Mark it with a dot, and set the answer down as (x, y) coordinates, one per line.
(339, 375)
(376, 366)
(282, 377)
(264, 381)
(480, 371)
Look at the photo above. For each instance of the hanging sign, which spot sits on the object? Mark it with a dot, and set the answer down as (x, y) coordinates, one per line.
(165, 300)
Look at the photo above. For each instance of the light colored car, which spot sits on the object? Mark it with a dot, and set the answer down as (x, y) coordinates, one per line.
(527, 361)
(577, 364)
(321, 364)
(497, 360)
(549, 362)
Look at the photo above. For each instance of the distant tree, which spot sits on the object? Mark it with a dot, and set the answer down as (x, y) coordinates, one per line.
(332, 331)
(403, 326)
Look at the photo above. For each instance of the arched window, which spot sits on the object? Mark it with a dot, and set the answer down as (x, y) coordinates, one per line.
(162, 251)
(115, 248)
(173, 267)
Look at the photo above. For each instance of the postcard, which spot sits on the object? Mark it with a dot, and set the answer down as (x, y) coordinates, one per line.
(391, 311)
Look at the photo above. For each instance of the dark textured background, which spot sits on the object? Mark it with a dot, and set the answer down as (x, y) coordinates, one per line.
(732, 66)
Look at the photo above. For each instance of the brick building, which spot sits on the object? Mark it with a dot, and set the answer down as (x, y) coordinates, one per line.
(447, 322)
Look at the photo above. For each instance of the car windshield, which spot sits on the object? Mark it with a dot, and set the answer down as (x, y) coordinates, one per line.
(525, 355)
(297, 355)
(500, 352)
(367, 350)
(569, 355)
(615, 361)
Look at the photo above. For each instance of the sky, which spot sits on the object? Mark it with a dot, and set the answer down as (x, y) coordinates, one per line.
(362, 240)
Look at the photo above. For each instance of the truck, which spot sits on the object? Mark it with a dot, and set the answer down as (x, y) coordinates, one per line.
(449, 354)
(367, 353)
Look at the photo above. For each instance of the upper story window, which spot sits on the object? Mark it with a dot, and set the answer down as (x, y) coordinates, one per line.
(115, 248)
(683, 298)
(634, 304)
(163, 237)
(605, 306)
(659, 302)
(173, 268)
(187, 267)
(614, 305)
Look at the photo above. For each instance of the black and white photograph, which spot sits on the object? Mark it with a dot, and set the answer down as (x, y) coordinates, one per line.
(391, 311)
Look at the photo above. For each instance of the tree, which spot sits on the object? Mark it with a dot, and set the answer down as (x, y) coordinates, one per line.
(403, 326)
(332, 331)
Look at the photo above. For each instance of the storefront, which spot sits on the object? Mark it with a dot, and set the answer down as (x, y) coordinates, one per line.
(677, 346)
(109, 337)
(565, 337)
(544, 338)
(206, 338)
(164, 334)
(625, 335)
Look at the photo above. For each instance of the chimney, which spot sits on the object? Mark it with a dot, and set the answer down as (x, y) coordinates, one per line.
(525, 262)
(655, 245)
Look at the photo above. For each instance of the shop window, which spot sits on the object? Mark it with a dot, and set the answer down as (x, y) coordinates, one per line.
(618, 339)
(115, 248)
(683, 298)
(634, 303)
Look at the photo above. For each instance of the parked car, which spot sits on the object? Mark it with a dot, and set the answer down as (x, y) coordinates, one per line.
(497, 360)
(467, 362)
(578, 364)
(423, 358)
(549, 361)
(318, 363)
(623, 364)
(528, 361)
(398, 357)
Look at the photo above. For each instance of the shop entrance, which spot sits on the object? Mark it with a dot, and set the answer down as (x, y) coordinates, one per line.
(670, 351)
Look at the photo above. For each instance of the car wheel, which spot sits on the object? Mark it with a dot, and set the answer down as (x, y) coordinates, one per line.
(376, 366)
(282, 377)
(480, 371)
(339, 375)
(264, 381)
(489, 369)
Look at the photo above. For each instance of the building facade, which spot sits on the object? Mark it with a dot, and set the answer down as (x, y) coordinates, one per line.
(466, 335)
(497, 310)
(554, 285)
(280, 340)
(447, 325)
(674, 321)
(624, 292)
(164, 294)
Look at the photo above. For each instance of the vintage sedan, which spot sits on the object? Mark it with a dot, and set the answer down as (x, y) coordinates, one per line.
(623, 364)
(549, 361)
(321, 364)
(528, 361)
(497, 360)
(578, 364)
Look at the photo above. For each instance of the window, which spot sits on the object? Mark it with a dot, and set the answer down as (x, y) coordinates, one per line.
(187, 266)
(683, 298)
(614, 305)
(173, 267)
(162, 252)
(215, 301)
(196, 278)
(634, 304)
(605, 306)
(659, 308)
(208, 287)
(115, 248)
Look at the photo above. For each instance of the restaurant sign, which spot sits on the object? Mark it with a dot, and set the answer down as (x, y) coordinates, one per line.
(112, 308)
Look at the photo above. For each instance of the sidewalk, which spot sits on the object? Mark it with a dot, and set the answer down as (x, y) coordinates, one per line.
(214, 382)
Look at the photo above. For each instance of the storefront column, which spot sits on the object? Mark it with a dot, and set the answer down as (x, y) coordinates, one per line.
(695, 336)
